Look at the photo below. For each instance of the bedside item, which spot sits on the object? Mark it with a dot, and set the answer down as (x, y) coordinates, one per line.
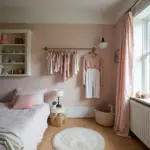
(58, 120)
(54, 103)
(3, 39)
(58, 94)
(58, 110)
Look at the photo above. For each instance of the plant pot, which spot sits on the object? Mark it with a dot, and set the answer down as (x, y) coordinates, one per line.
(54, 106)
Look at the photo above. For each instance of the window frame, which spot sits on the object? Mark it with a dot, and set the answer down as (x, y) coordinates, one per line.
(145, 55)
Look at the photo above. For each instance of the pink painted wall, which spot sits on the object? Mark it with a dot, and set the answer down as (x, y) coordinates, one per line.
(52, 35)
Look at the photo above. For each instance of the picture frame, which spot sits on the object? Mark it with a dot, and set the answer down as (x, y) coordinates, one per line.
(117, 56)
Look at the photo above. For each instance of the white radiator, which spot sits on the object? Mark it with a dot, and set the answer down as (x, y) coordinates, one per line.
(140, 121)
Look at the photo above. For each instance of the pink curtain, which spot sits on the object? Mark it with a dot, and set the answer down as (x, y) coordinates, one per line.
(125, 78)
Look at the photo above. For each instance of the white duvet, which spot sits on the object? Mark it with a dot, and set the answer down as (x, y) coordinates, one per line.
(28, 124)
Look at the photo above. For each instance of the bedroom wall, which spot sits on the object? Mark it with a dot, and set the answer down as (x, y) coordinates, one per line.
(54, 35)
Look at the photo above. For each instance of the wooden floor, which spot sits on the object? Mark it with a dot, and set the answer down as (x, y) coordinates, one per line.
(112, 141)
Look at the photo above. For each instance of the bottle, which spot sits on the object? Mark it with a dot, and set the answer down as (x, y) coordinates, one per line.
(138, 94)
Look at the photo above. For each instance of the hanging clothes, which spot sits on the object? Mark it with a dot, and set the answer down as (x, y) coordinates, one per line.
(50, 62)
(61, 62)
(92, 75)
(57, 62)
(75, 64)
(92, 83)
(68, 65)
(64, 63)
(65, 67)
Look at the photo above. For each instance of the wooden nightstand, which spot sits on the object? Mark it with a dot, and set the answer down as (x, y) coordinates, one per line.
(57, 116)
(57, 110)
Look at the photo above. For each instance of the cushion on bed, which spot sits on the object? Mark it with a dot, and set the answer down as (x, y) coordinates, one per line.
(24, 102)
(9, 96)
(39, 98)
(38, 95)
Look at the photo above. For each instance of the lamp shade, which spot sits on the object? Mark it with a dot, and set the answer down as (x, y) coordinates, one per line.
(59, 93)
(103, 44)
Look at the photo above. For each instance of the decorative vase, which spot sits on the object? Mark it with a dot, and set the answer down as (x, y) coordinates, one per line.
(1, 68)
(3, 39)
(54, 106)
(0, 58)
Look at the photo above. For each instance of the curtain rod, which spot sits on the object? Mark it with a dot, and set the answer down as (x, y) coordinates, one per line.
(133, 6)
(47, 48)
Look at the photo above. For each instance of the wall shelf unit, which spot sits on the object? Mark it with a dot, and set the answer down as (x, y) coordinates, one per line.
(12, 53)
(15, 75)
(13, 44)
(15, 55)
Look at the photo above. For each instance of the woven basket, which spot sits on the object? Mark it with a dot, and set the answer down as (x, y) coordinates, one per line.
(58, 120)
(104, 118)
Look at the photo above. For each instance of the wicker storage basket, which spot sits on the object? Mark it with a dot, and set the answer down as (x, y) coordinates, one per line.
(104, 118)
(57, 119)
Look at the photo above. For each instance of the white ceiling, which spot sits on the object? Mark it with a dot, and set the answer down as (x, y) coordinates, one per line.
(63, 11)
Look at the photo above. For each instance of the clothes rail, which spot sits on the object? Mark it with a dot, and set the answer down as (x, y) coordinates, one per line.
(47, 48)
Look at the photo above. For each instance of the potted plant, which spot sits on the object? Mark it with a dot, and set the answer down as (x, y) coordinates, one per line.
(54, 103)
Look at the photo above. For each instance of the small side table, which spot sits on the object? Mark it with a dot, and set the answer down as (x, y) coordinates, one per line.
(57, 110)
(57, 116)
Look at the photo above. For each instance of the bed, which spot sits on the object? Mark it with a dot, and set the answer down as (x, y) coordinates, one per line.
(28, 124)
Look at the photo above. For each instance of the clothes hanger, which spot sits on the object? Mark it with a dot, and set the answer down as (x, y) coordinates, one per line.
(93, 51)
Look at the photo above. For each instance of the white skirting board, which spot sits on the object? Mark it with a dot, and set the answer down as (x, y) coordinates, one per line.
(79, 112)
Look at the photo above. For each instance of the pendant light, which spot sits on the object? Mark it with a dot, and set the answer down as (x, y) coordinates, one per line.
(103, 43)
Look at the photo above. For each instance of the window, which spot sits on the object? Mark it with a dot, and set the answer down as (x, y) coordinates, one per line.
(142, 55)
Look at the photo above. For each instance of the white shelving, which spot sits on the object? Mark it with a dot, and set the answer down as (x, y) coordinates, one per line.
(12, 44)
(16, 63)
(18, 51)
(15, 75)
(12, 53)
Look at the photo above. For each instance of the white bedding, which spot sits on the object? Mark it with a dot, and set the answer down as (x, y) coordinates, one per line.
(28, 124)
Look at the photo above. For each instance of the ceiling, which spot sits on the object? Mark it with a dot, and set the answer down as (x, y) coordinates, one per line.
(63, 11)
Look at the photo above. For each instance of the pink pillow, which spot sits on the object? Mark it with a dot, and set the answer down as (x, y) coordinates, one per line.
(38, 96)
(24, 102)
